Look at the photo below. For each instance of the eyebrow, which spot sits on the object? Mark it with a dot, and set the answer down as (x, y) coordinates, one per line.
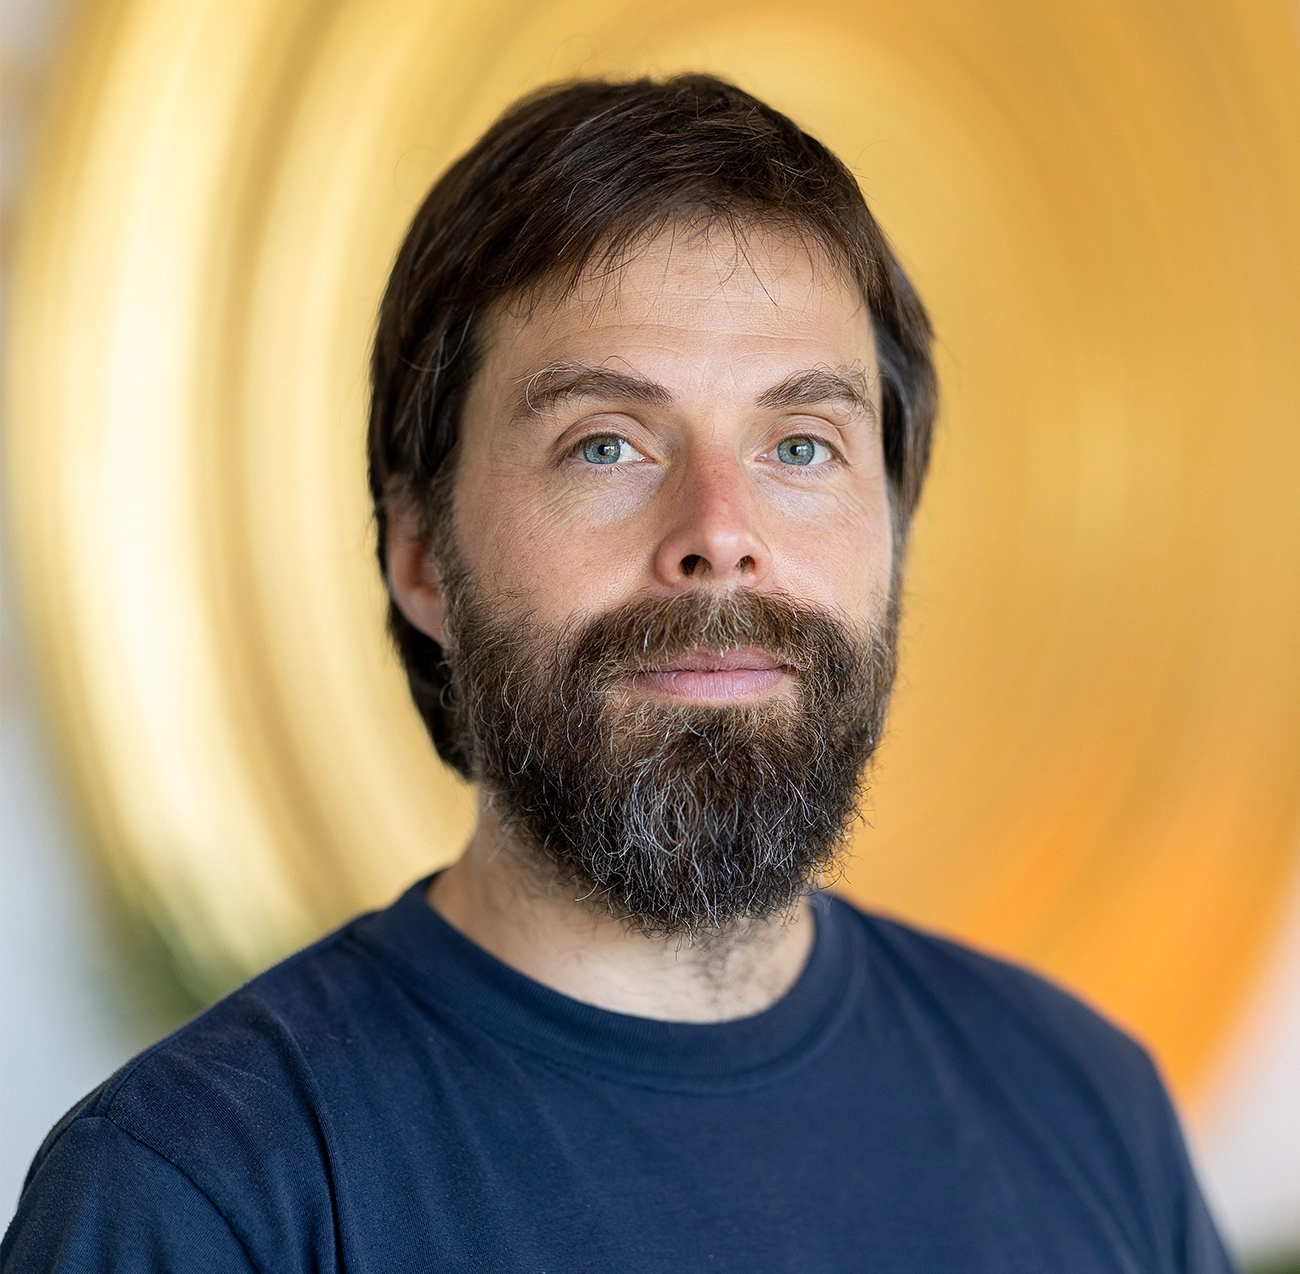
(560, 382)
(845, 385)
(546, 389)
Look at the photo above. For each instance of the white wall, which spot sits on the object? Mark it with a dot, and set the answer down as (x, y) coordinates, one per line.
(1247, 1136)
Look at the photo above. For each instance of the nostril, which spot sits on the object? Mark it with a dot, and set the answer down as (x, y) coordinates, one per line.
(689, 564)
(746, 565)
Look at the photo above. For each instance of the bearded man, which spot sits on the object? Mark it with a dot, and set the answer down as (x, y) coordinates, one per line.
(652, 408)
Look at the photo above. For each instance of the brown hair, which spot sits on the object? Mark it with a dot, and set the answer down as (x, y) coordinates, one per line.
(582, 171)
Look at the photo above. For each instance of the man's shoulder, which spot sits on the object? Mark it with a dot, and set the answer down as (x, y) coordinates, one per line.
(1020, 1052)
(1027, 1027)
(218, 1125)
(243, 1063)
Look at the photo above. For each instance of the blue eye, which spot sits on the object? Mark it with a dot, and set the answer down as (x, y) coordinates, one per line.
(797, 450)
(606, 449)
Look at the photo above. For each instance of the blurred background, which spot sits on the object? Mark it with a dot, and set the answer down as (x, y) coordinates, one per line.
(1094, 760)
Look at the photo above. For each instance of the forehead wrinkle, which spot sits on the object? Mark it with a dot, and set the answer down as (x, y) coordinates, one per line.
(846, 385)
(567, 379)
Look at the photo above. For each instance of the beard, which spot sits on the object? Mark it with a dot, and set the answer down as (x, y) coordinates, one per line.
(678, 818)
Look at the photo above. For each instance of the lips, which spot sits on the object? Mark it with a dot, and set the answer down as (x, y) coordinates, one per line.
(715, 675)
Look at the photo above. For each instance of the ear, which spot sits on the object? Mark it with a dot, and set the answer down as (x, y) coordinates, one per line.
(413, 577)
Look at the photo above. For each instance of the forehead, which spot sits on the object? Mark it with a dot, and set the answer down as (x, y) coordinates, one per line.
(685, 294)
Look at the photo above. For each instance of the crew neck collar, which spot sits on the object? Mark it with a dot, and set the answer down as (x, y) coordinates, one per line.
(453, 974)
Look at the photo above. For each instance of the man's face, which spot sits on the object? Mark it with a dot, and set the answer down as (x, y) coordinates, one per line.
(706, 419)
(665, 595)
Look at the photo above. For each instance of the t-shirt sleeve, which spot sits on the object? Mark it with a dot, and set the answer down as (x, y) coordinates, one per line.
(100, 1200)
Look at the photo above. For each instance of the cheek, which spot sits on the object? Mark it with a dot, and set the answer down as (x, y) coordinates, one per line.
(553, 553)
(841, 556)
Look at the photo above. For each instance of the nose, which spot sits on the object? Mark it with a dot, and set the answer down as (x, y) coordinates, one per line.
(713, 534)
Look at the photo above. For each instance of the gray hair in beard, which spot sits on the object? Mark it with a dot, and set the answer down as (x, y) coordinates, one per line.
(679, 818)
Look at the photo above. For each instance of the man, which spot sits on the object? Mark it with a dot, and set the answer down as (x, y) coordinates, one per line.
(652, 406)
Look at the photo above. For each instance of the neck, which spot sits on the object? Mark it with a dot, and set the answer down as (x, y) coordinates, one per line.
(502, 897)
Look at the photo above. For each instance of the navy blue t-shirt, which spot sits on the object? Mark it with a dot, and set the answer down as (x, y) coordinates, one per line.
(394, 1099)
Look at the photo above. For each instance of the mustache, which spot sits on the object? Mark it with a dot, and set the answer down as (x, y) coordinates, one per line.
(639, 635)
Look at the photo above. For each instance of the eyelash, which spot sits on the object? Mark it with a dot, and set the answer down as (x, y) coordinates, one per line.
(578, 447)
(837, 458)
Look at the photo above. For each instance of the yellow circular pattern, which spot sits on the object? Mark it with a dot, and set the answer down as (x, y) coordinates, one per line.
(1094, 761)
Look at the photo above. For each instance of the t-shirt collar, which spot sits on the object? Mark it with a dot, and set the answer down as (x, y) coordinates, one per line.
(452, 974)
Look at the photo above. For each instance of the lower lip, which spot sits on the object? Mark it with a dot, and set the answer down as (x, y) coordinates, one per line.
(733, 683)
